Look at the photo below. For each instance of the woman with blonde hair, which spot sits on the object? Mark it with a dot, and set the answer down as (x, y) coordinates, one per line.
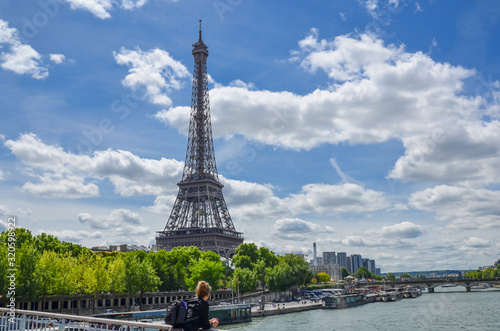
(198, 307)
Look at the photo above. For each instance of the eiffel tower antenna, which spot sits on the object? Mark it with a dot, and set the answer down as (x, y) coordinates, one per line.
(200, 216)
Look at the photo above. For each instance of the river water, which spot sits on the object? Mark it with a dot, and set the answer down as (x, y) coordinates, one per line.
(448, 309)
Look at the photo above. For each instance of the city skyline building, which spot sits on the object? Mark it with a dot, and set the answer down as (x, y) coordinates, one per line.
(329, 258)
(356, 262)
(342, 259)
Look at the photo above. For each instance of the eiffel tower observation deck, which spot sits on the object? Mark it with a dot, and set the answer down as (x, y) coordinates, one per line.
(200, 216)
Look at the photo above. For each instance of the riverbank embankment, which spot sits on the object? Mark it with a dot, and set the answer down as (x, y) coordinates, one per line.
(284, 308)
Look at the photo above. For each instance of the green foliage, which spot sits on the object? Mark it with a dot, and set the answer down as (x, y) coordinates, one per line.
(117, 273)
(345, 273)
(405, 275)
(324, 277)
(205, 269)
(363, 272)
(475, 274)
(95, 277)
(291, 270)
(245, 256)
(390, 277)
(244, 280)
(139, 275)
(47, 266)
(489, 273)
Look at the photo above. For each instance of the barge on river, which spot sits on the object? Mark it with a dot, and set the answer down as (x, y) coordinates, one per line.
(343, 301)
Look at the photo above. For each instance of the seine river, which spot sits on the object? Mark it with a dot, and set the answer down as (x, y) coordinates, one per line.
(449, 309)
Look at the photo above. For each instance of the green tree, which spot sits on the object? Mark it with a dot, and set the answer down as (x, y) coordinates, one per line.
(489, 273)
(363, 272)
(84, 262)
(345, 273)
(117, 274)
(390, 277)
(278, 277)
(260, 270)
(228, 274)
(405, 275)
(23, 237)
(301, 274)
(244, 280)
(140, 276)
(207, 270)
(4, 267)
(95, 277)
(324, 277)
(266, 260)
(245, 256)
(475, 274)
(268, 257)
(291, 270)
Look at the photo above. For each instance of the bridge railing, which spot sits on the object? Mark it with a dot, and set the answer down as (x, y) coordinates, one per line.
(25, 320)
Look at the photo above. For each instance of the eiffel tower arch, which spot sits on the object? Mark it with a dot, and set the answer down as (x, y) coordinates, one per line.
(200, 216)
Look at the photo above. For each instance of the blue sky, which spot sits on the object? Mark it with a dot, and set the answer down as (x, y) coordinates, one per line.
(368, 127)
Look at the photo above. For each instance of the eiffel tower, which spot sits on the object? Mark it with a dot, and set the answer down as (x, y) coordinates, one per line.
(200, 216)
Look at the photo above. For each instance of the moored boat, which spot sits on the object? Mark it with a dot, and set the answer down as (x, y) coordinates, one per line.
(343, 301)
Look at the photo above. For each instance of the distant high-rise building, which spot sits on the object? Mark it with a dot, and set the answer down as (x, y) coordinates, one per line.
(319, 261)
(348, 264)
(371, 266)
(356, 262)
(329, 258)
(377, 271)
(315, 256)
(342, 259)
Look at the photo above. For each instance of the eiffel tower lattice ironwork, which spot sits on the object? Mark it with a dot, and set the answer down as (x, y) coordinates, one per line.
(200, 216)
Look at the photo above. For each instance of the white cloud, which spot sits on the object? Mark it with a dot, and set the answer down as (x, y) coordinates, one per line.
(57, 58)
(466, 153)
(154, 71)
(353, 241)
(250, 201)
(124, 222)
(418, 7)
(20, 58)
(385, 93)
(102, 8)
(371, 5)
(99, 8)
(463, 208)
(474, 242)
(51, 186)
(297, 229)
(403, 230)
(63, 174)
(343, 198)
(2, 176)
(77, 236)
